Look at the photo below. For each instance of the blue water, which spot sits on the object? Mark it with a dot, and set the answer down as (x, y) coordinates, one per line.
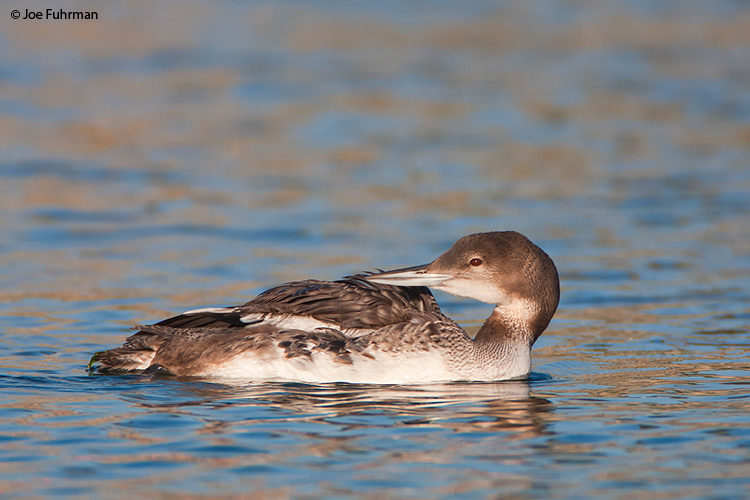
(177, 155)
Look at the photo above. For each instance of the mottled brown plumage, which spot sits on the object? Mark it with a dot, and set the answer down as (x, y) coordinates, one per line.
(349, 305)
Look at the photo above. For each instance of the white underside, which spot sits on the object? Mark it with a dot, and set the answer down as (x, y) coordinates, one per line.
(321, 367)
(410, 368)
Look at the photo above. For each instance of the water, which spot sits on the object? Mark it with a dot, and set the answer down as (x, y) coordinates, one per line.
(177, 155)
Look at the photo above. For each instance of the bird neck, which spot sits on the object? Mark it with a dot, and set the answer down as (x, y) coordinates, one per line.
(508, 326)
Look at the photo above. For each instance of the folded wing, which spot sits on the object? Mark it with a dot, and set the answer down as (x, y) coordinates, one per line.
(352, 306)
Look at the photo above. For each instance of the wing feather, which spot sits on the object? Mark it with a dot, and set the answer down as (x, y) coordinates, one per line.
(352, 306)
(349, 303)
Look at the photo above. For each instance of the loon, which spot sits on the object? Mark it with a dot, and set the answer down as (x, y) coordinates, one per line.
(378, 328)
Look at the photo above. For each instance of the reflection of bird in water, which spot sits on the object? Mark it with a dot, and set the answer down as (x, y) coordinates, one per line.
(504, 406)
(368, 328)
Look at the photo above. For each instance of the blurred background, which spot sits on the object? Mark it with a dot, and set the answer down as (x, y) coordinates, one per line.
(177, 154)
(272, 140)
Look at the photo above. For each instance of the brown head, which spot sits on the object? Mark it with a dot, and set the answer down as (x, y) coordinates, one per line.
(503, 268)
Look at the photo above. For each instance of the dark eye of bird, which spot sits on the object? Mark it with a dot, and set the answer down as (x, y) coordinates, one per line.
(476, 261)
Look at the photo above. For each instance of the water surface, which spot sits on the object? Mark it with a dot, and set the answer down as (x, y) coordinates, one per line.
(177, 155)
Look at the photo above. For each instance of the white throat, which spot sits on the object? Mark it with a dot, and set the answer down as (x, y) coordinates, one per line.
(482, 291)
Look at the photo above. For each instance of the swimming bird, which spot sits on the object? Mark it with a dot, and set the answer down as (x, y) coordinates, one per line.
(383, 327)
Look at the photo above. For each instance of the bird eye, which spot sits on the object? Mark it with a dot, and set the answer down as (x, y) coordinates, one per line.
(476, 261)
